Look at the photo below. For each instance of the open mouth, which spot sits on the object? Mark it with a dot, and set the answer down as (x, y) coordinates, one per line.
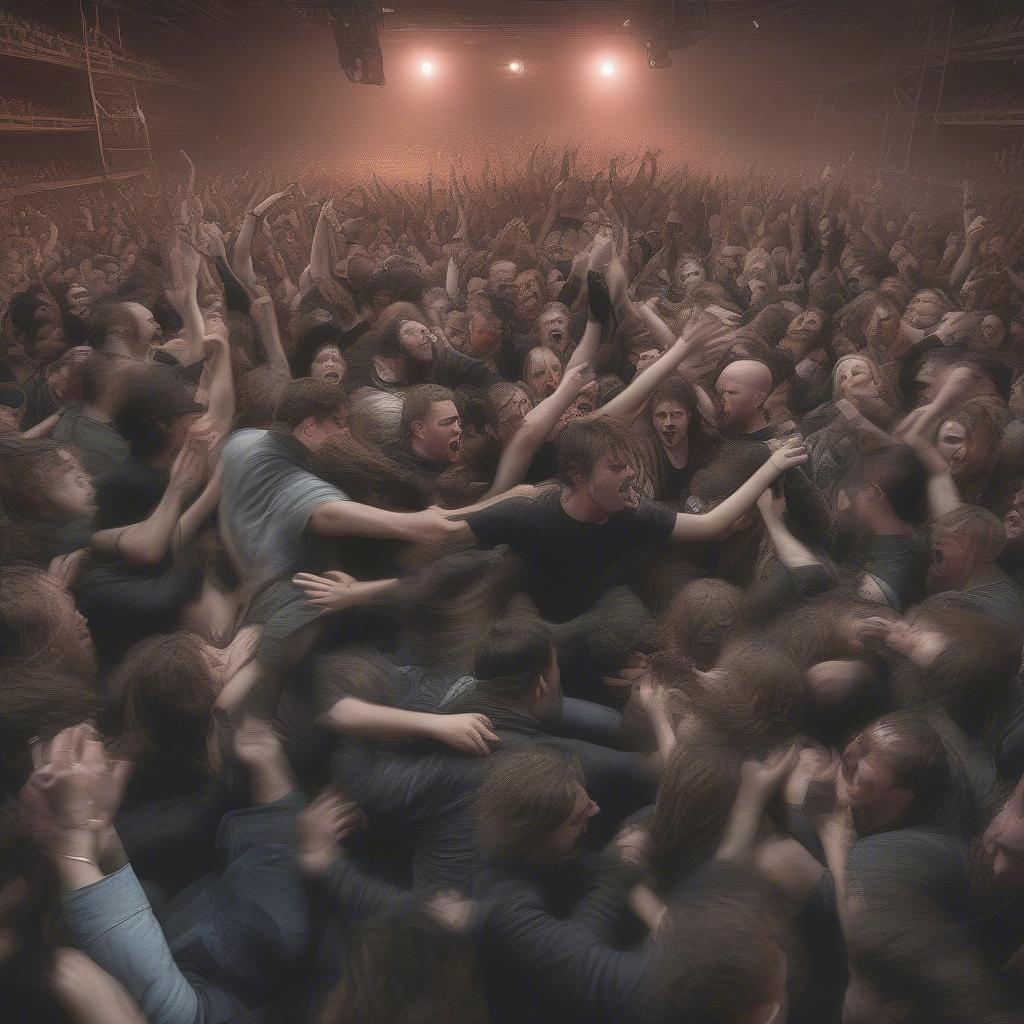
(556, 337)
(333, 376)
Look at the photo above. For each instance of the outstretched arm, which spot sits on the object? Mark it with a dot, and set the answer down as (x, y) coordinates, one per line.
(712, 524)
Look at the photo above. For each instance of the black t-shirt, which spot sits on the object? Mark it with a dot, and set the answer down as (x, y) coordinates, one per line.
(898, 563)
(129, 493)
(565, 558)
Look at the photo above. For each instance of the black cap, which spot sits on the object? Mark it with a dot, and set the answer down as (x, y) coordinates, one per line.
(151, 394)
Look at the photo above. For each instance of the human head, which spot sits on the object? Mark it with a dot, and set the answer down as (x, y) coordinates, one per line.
(40, 625)
(743, 388)
(993, 331)
(687, 275)
(896, 771)
(511, 403)
(854, 375)
(723, 952)
(964, 542)
(328, 365)
(969, 441)
(806, 331)
(888, 481)
(484, 340)
(501, 278)
(44, 481)
(675, 414)
(154, 412)
(163, 695)
(529, 295)
(375, 417)
(457, 330)
(516, 660)
(409, 340)
(129, 323)
(700, 618)
(553, 323)
(542, 373)
(997, 857)
(532, 807)
(313, 411)
(431, 422)
(927, 308)
(593, 457)
(695, 796)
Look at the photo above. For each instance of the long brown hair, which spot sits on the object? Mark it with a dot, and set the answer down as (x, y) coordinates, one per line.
(164, 697)
(694, 799)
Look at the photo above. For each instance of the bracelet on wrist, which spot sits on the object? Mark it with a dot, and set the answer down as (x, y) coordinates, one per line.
(81, 860)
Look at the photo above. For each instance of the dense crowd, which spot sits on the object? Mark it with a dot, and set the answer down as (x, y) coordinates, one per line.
(556, 593)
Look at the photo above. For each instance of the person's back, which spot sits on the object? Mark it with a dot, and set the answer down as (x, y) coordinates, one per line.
(269, 494)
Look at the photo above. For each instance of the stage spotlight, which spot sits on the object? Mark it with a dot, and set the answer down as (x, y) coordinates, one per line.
(607, 68)
(427, 69)
(517, 67)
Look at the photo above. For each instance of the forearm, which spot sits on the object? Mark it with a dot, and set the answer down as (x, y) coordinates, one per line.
(354, 717)
(320, 253)
(241, 251)
(712, 524)
(586, 350)
(520, 450)
(264, 314)
(147, 542)
(962, 267)
(43, 428)
(451, 281)
(744, 821)
(196, 515)
(943, 494)
(628, 403)
(345, 518)
(659, 330)
(789, 551)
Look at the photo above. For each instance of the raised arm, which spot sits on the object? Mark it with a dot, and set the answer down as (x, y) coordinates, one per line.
(626, 405)
(263, 313)
(536, 427)
(147, 543)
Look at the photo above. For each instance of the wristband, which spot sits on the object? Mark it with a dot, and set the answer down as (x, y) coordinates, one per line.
(81, 860)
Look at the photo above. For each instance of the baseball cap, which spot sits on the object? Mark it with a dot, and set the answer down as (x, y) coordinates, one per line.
(149, 395)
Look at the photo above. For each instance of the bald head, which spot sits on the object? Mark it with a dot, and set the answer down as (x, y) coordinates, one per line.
(743, 388)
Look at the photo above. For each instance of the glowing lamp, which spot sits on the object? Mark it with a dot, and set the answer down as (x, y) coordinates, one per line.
(607, 68)
(516, 67)
(427, 68)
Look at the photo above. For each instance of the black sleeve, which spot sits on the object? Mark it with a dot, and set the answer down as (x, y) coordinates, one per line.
(236, 298)
(566, 957)
(656, 521)
(501, 523)
(458, 370)
(355, 895)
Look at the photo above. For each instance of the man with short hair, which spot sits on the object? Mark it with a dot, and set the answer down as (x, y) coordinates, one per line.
(123, 330)
(276, 513)
(571, 537)
(431, 430)
(965, 545)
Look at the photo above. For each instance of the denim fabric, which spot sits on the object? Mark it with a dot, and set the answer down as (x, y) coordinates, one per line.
(240, 929)
(113, 924)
